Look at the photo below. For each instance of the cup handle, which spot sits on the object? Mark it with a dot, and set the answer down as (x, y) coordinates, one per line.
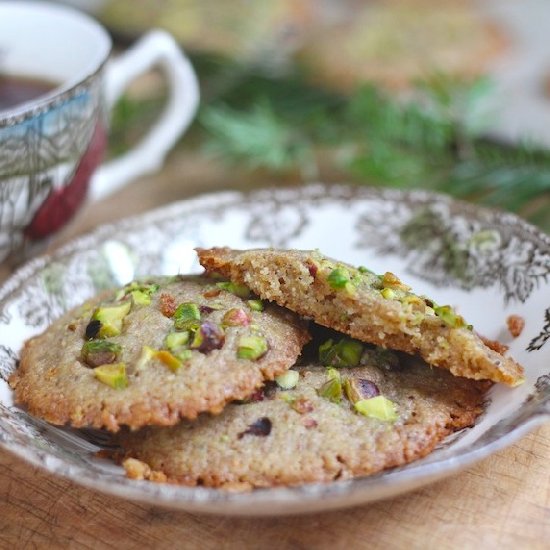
(157, 48)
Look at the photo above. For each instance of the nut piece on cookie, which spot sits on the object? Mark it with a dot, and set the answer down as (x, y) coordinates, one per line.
(153, 353)
(378, 309)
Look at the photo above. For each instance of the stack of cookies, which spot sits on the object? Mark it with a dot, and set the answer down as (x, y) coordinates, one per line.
(210, 380)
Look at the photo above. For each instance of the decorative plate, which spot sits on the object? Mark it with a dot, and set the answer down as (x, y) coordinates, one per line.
(487, 264)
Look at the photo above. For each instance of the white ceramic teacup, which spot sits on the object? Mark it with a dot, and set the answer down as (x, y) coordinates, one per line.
(51, 147)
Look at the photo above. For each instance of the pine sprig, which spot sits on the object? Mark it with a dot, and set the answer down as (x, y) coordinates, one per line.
(434, 140)
(258, 138)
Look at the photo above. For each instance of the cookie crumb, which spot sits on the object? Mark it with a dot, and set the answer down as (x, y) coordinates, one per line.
(516, 324)
(495, 345)
(136, 469)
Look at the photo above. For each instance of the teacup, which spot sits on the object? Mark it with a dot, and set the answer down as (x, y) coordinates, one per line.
(51, 147)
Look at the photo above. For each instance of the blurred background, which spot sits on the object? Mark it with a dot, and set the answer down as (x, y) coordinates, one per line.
(447, 95)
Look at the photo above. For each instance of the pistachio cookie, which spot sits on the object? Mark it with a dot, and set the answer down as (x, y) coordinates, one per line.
(315, 424)
(379, 309)
(155, 352)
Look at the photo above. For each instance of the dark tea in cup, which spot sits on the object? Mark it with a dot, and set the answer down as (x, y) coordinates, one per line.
(15, 89)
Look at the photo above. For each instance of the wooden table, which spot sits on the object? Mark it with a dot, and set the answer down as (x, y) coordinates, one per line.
(502, 502)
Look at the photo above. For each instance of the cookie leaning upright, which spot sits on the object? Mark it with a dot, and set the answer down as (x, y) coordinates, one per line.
(381, 309)
(155, 352)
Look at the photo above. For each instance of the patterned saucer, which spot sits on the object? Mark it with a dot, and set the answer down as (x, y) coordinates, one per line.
(487, 264)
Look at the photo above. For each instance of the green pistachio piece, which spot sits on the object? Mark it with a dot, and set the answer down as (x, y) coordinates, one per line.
(393, 281)
(387, 293)
(332, 390)
(100, 352)
(241, 291)
(140, 298)
(288, 380)
(184, 355)
(134, 286)
(111, 318)
(346, 353)
(147, 353)
(94, 346)
(236, 317)
(378, 407)
(339, 278)
(333, 373)
(363, 269)
(113, 375)
(255, 305)
(448, 316)
(251, 347)
(325, 351)
(357, 389)
(176, 340)
(172, 362)
(208, 337)
(187, 316)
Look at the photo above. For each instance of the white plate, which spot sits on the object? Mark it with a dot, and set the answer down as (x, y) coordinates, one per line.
(487, 264)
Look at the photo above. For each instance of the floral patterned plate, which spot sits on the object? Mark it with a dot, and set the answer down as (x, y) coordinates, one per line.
(487, 264)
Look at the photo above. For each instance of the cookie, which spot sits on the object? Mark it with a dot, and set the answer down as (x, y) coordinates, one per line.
(155, 352)
(379, 309)
(333, 424)
(394, 43)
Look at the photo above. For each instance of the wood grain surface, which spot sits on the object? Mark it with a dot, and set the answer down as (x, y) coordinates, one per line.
(502, 502)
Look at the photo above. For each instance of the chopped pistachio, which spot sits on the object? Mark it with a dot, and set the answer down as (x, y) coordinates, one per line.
(332, 390)
(208, 337)
(339, 278)
(448, 316)
(147, 353)
(100, 352)
(378, 407)
(172, 362)
(111, 318)
(113, 375)
(143, 289)
(360, 388)
(346, 353)
(387, 293)
(413, 300)
(363, 269)
(333, 373)
(393, 281)
(187, 316)
(140, 298)
(176, 340)
(251, 347)
(288, 380)
(241, 291)
(184, 355)
(325, 350)
(236, 317)
(255, 305)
